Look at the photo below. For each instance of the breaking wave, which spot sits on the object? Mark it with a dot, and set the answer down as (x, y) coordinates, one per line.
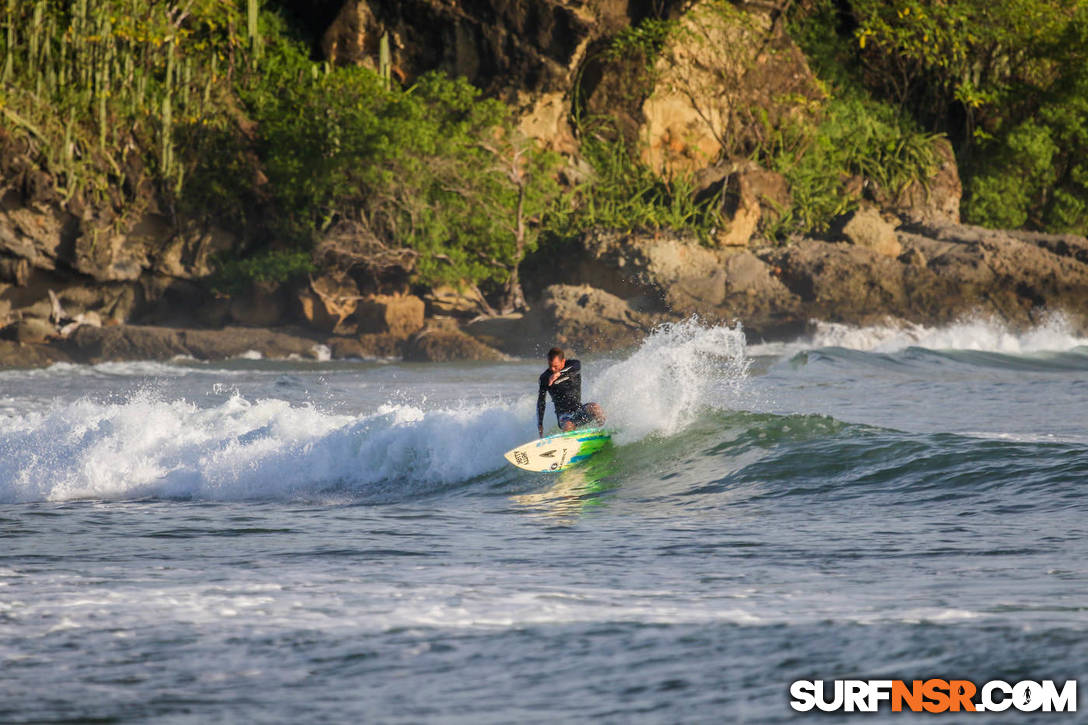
(242, 449)
(1054, 334)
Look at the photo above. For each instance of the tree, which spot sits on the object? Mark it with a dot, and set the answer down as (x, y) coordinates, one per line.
(434, 168)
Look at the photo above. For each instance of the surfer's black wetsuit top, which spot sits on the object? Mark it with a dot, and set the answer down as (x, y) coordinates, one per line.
(566, 391)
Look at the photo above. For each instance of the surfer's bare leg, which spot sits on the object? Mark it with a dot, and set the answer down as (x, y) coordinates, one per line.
(597, 412)
(567, 425)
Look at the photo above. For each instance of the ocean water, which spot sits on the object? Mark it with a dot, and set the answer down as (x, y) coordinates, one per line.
(268, 541)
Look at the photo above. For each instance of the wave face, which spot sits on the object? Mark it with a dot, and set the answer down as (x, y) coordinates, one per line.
(267, 448)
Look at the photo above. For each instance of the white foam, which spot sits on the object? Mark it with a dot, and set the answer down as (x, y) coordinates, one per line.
(243, 450)
(679, 371)
(469, 599)
(1054, 334)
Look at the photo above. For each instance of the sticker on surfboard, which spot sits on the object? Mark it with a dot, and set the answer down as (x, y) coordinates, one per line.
(560, 451)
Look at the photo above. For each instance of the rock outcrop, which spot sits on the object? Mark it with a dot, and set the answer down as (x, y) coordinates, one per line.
(695, 101)
(748, 194)
(397, 315)
(445, 345)
(134, 342)
(657, 272)
(619, 286)
(937, 200)
(724, 80)
(526, 53)
(867, 228)
(591, 319)
(946, 273)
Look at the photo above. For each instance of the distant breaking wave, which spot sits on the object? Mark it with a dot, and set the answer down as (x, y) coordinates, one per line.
(1055, 334)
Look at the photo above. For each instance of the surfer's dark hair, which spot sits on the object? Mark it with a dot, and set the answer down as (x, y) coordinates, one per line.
(556, 352)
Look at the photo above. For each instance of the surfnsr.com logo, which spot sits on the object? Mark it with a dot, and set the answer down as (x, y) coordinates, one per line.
(933, 695)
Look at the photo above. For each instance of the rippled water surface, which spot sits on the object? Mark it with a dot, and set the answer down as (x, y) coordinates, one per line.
(263, 541)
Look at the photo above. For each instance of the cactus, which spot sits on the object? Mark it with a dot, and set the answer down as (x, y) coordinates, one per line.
(35, 41)
(9, 55)
(168, 111)
(187, 79)
(254, 31)
(385, 65)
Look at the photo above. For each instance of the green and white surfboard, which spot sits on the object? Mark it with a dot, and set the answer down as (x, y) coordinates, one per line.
(560, 451)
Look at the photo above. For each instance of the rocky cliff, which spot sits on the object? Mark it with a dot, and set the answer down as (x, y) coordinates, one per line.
(695, 101)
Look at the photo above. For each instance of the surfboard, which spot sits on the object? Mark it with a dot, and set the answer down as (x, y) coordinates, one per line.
(560, 451)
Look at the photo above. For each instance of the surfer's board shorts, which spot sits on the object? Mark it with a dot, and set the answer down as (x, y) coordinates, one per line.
(578, 417)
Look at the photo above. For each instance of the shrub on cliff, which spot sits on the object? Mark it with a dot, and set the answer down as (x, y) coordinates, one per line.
(745, 90)
(101, 90)
(434, 167)
(1007, 81)
(854, 139)
(624, 193)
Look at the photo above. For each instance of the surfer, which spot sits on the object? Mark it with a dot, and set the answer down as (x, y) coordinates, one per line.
(563, 380)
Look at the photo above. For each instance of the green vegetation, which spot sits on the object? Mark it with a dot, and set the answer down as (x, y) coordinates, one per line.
(854, 139)
(625, 193)
(820, 147)
(214, 110)
(434, 167)
(275, 265)
(233, 121)
(1007, 81)
(644, 40)
(87, 81)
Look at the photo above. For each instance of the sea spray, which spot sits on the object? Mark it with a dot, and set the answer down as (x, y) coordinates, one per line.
(680, 370)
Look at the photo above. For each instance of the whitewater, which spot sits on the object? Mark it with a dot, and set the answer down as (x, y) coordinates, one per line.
(297, 541)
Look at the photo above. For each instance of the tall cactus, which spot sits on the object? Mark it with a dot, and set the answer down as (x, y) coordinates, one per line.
(35, 37)
(168, 112)
(385, 61)
(254, 31)
(183, 76)
(9, 55)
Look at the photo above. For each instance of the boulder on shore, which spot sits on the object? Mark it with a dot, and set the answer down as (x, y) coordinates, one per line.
(30, 329)
(948, 272)
(667, 273)
(397, 315)
(326, 303)
(22, 355)
(592, 319)
(446, 345)
(937, 200)
(364, 347)
(867, 228)
(262, 305)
